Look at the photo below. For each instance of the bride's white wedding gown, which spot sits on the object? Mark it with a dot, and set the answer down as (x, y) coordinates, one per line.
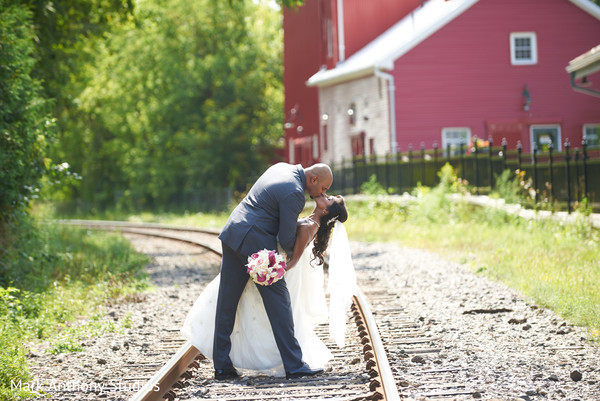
(253, 347)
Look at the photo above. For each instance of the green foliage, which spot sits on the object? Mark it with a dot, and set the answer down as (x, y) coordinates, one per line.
(435, 205)
(372, 187)
(184, 96)
(508, 187)
(13, 364)
(293, 4)
(555, 263)
(54, 281)
(24, 122)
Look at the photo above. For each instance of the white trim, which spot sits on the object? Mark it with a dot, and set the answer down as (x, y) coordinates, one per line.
(445, 17)
(557, 146)
(586, 64)
(592, 125)
(403, 36)
(588, 6)
(393, 43)
(445, 130)
(523, 35)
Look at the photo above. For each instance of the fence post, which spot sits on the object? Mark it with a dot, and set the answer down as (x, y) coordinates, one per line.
(410, 166)
(462, 161)
(491, 142)
(355, 167)
(343, 175)
(422, 163)
(551, 160)
(475, 163)
(567, 159)
(535, 186)
(584, 158)
(387, 171)
(504, 147)
(577, 189)
(399, 169)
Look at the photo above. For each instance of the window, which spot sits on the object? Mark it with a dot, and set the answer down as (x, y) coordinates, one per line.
(454, 137)
(523, 48)
(357, 142)
(543, 135)
(591, 133)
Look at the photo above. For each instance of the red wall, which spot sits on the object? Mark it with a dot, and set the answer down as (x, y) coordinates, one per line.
(301, 59)
(462, 75)
(305, 51)
(367, 19)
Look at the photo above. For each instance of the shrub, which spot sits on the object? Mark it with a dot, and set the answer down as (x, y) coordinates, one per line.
(24, 122)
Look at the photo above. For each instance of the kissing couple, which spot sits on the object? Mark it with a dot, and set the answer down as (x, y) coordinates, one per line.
(269, 329)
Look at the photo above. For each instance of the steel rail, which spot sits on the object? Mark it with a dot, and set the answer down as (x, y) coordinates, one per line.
(375, 355)
(162, 383)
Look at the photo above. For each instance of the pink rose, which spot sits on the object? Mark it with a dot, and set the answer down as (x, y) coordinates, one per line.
(271, 258)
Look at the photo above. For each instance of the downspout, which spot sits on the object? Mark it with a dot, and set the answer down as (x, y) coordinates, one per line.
(392, 92)
(581, 89)
(340, 31)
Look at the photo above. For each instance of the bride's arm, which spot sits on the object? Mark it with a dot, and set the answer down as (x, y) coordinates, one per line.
(302, 239)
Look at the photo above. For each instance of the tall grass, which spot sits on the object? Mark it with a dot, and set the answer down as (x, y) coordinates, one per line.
(556, 264)
(54, 281)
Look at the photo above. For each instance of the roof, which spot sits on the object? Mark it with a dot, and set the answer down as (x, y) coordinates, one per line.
(423, 22)
(586, 64)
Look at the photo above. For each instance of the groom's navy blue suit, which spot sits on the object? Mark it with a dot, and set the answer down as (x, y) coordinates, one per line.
(268, 214)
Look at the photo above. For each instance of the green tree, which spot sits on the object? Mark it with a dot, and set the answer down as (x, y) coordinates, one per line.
(185, 96)
(25, 125)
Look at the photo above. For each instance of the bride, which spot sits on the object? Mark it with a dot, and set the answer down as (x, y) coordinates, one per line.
(253, 347)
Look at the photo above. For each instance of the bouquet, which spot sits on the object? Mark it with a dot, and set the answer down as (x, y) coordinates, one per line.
(266, 267)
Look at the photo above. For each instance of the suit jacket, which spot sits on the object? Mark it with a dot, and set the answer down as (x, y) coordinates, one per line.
(268, 213)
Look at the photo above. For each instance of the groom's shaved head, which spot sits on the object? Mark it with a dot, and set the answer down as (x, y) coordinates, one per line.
(321, 170)
(318, 179)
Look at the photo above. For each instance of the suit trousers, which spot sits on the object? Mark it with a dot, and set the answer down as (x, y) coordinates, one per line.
(276, 299)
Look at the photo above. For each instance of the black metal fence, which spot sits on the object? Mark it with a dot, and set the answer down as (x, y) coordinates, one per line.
(563, 177)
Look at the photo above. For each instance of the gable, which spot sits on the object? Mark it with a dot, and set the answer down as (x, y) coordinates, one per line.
(405, 35)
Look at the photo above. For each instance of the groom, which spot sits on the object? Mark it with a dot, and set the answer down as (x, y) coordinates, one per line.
(267, 215)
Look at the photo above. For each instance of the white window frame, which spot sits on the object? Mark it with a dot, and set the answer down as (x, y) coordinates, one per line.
(595, 142)
(557, 145)
(513, 48)
(455, 142)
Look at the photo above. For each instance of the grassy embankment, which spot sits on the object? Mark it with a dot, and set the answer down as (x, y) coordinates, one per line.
(557, 265)
(54, 282)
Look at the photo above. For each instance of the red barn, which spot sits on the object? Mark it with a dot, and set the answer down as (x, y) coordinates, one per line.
(320, 35)
(400, 73)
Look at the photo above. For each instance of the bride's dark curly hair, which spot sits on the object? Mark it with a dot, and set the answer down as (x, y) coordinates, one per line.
(337, 212)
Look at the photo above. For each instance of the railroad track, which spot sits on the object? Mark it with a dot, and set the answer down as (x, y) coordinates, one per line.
(365, 369)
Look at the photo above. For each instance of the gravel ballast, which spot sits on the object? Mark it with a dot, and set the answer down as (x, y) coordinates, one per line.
(496, 340)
